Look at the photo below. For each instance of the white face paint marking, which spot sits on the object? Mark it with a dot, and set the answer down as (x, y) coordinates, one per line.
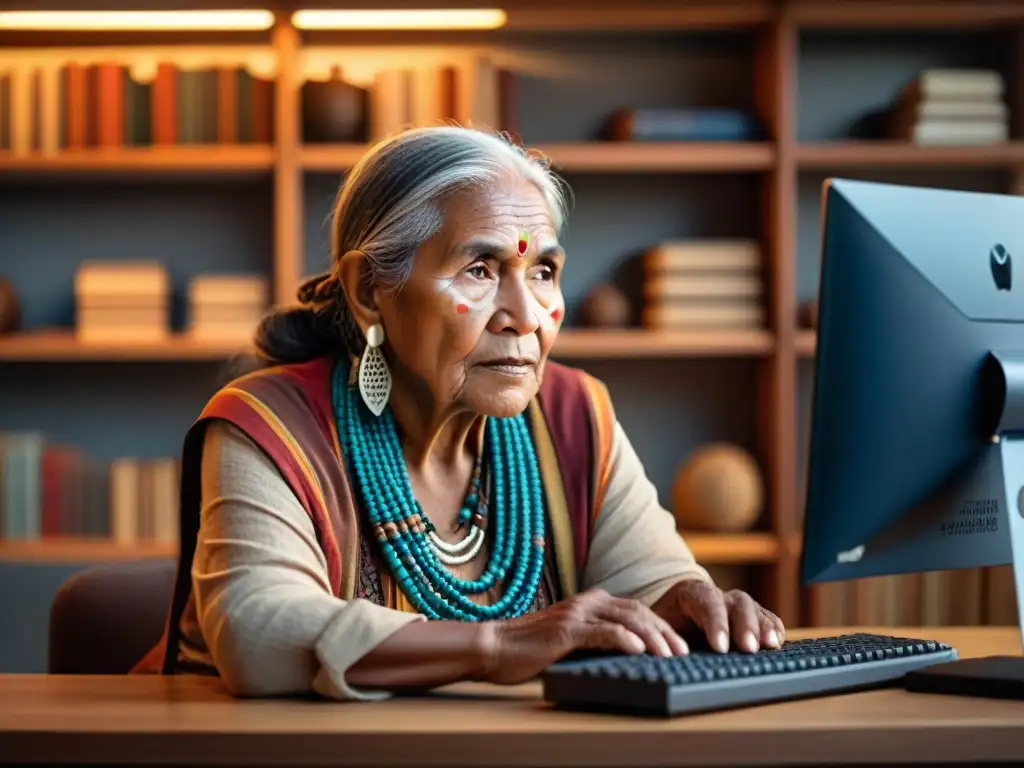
(460, 300)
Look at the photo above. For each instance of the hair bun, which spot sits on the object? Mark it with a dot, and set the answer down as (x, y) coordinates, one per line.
(318, 290)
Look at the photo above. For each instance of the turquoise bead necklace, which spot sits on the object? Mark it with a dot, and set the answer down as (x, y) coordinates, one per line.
(516, 512)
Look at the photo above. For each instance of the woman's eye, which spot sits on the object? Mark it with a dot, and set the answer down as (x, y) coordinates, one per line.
(545, 272)
(479, 271)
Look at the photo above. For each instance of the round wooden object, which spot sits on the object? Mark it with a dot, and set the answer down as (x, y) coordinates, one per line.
(10, 308)
(605, 307)
(718, 488)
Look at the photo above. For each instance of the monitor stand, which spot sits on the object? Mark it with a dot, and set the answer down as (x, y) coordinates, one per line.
(995, 676)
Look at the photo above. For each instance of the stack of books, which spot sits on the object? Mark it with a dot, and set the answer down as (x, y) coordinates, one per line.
(953, 107)
(226, 308)
(703, 285)
(122, 301)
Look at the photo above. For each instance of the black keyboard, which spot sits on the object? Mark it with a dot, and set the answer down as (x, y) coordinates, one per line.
(703, 680)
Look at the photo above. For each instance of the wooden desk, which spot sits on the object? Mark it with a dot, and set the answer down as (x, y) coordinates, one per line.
(192, 721)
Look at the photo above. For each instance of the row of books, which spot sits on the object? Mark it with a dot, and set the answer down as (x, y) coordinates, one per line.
(951, 106)
(48, 108)
(131, 302)
(62, 105)
(703, 285)
(473, 92)
(49, 489)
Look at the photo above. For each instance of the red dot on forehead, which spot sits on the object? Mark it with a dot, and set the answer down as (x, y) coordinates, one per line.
(462, 309)
(522, 245)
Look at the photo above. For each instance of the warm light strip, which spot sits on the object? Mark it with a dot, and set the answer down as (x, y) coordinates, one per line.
(469, 18)
(137, 20)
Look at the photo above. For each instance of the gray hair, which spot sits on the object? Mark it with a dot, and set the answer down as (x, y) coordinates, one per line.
(389, 204)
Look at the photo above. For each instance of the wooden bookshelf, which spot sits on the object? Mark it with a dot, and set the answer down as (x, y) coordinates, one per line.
(599, 157)
(42, 551)
(579, 343)
(896, 154)
(905, 14)
(213, 160)
(62, 346)
(733, 549)
(776, 63)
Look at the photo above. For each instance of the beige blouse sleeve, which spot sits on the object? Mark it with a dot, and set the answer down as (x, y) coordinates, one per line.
(635, 550)
(260, 585)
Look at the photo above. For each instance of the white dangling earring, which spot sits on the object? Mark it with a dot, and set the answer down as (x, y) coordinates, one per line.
(374, 376)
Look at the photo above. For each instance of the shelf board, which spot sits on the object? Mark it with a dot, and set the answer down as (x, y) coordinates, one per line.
(599, 157)
(857, 154)
(660, 157)
(896, 14)
(177, 160)
(640, 343)
(732, 548)
(75, 550)
(62, 346)
(600, 16)
(806, 343)
(708, 548)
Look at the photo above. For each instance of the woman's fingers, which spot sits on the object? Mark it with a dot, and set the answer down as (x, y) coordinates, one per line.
(704, 604)
(653, 633)
(608, 636)
(744, 621)
(773, 632)
(658, 634)
(730, 619)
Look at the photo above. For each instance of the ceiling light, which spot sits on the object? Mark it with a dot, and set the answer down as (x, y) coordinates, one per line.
(137, 20)
(468, 18)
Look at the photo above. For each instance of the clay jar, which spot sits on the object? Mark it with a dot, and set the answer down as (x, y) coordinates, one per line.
(333, 110)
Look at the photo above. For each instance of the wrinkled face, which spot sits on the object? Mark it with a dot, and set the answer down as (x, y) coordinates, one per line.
(476, 319)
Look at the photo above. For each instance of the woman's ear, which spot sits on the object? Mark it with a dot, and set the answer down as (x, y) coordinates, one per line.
(354, 275)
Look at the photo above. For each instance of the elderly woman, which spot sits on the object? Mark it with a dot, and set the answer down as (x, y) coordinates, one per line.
(411, 493)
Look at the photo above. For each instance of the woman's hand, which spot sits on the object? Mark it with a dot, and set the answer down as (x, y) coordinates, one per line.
(727, 619)
(519, 649)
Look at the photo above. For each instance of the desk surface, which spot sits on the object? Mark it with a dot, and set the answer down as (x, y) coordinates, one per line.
(193, 721)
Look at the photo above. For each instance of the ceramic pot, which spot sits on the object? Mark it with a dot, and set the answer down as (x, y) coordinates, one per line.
(333, 110)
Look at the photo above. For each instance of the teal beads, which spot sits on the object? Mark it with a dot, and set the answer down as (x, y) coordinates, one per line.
(516, 518)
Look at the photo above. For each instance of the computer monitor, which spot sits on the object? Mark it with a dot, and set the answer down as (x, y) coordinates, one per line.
(917, 430)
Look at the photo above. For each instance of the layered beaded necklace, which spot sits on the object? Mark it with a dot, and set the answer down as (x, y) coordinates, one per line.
(414, 552)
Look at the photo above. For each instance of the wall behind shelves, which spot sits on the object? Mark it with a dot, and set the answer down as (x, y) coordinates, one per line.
(578, 81)
(844, 76)
(48, 227)
(109, 410)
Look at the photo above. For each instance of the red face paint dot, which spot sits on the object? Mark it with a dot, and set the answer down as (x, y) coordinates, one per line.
(462, 309)
(522, 246)
(556, 314)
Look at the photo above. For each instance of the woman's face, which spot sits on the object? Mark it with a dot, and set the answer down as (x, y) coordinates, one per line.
(481, 309)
